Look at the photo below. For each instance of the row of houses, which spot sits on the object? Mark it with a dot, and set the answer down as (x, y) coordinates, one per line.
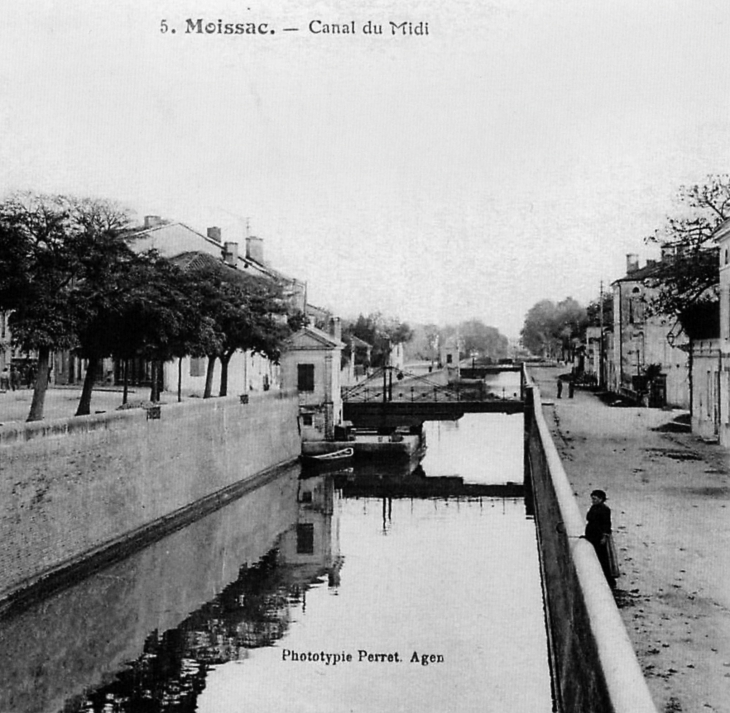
(184, 245)
(313, 361)
(652, 359)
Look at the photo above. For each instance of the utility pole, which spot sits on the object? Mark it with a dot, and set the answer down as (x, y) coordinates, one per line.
(387, 393)
(601, 356)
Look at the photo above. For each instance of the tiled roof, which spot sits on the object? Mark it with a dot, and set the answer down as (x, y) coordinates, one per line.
(246, 261)
(316, 335)
(643, 273)
(357, 342)
(194, 260)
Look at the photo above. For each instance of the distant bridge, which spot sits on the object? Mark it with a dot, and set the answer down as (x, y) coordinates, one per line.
(384, 401)
(480, 372)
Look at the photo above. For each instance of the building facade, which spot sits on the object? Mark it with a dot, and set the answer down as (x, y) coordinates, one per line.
(711, 359)
(642, 339)
(311, 363)
(247, 371)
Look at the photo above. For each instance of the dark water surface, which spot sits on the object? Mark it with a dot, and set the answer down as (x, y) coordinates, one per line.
(436, 601)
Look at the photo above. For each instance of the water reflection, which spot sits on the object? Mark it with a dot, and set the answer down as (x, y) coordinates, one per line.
(77, 639)
(504, 384)
(389, 481)
(253, 611)
(451, 579)
(479, 447)
(372, 559)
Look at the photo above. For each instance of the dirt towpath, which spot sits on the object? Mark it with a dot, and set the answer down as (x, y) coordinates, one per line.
(62, 402)
(669, 493)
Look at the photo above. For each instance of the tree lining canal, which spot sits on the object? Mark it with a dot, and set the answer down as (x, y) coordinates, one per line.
(211, 618)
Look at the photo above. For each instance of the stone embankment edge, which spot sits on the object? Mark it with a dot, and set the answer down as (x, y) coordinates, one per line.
(50, 437)
(43, 584)
(626, 686)
(26, 431)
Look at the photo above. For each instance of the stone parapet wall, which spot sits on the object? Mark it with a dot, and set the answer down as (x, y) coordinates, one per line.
(71, 487)
(593, 664)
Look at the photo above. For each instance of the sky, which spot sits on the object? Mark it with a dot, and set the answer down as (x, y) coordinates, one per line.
(516, 153)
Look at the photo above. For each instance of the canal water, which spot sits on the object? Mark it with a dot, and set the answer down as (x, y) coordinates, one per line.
(317, 594)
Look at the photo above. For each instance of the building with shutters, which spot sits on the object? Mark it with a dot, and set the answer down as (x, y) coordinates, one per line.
(641, 339)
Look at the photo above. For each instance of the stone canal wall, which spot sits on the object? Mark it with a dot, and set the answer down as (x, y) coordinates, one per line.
(594, 666)
(138, 599)
(73, 488)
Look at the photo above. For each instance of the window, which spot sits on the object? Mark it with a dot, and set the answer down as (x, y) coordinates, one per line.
(449, 358)
(305, 539)
(305, 377)
(307, 419)
(636, 306)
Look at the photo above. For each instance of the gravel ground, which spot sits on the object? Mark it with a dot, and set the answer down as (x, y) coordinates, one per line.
(62, 402)
(670, 498)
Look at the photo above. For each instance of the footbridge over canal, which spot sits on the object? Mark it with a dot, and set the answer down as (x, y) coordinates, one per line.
(385, 401)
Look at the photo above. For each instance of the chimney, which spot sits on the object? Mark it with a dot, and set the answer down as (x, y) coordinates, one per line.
(214, 233)
(668, 252)
(255, 249)
(632, 263)
(152, 221)
(336, 328)
(230, 254)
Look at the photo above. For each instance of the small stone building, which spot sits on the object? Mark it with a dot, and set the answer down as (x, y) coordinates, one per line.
(449, 352)
(311, 363)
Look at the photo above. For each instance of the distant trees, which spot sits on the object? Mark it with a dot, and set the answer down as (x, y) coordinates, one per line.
(553, 330)
(474, 336)
(432, 338)
(381, 332)
(478, 338)
(600, 311)
(69, 279)
(424, 344)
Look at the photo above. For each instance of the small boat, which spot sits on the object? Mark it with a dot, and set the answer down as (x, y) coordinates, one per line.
(336, 459)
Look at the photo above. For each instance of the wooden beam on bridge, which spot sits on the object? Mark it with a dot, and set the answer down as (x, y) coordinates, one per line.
(406, 413)
(479, 372)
